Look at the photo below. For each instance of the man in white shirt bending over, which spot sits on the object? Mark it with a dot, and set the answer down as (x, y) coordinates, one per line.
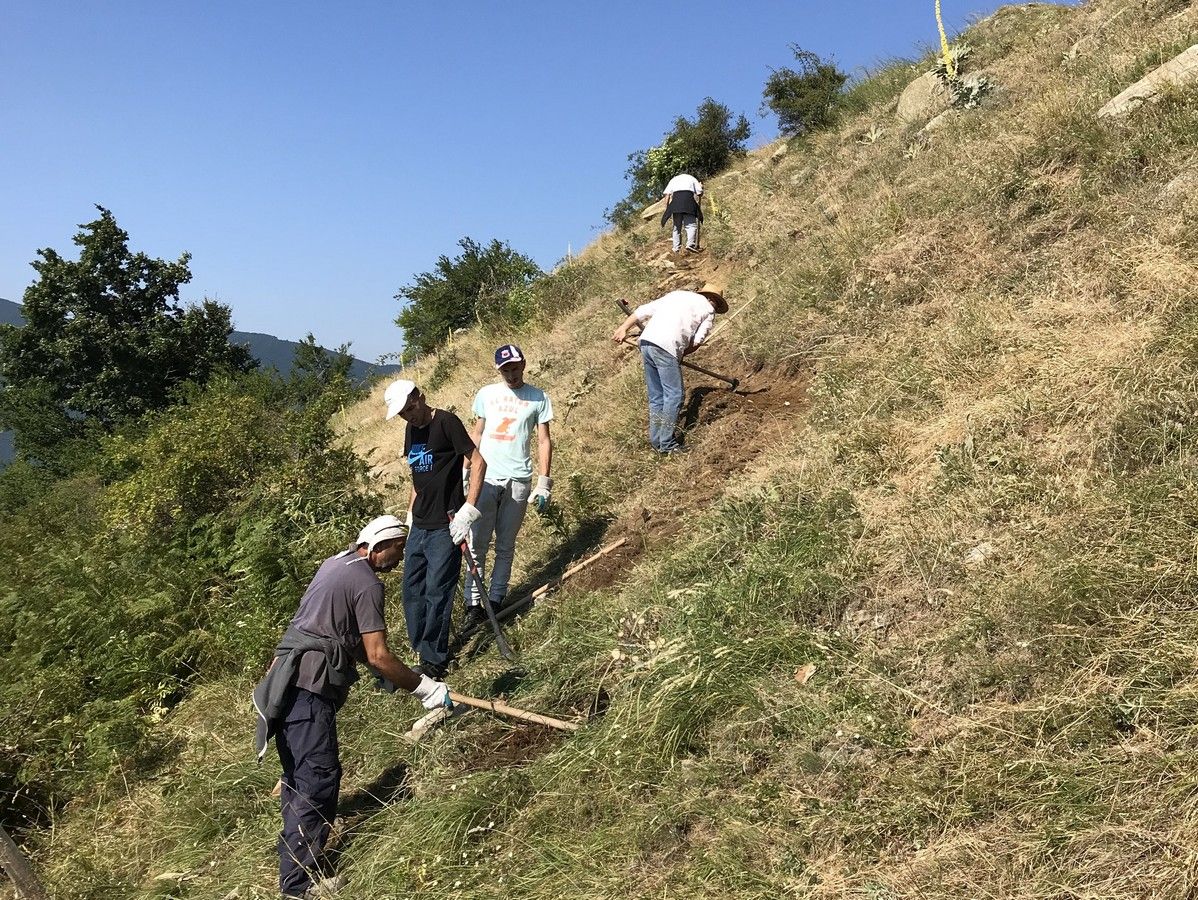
(673, 326)
(683, 196)
(507, 414)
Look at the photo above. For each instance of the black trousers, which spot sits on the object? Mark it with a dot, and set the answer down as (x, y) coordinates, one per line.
(307, 743)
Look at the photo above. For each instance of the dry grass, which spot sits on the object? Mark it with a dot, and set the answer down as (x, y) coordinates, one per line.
(959, 482)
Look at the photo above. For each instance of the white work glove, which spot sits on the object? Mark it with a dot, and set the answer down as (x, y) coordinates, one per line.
(540, 497)
(432, 694)
(408, 521)
(459, 527)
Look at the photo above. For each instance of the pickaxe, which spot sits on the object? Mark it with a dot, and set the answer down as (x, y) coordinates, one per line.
(501, 643)
(732, 382)
(430, 720)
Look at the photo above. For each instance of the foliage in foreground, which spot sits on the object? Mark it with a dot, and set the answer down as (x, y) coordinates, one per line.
(177, 561)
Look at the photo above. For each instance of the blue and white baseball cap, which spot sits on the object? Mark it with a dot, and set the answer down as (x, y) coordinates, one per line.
(508, 353)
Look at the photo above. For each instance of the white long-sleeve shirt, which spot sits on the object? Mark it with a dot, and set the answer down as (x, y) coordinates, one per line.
(676, 321)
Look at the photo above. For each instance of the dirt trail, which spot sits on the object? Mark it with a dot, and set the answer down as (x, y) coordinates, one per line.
(726, 431)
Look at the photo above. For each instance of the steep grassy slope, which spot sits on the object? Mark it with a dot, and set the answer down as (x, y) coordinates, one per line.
(958, 482)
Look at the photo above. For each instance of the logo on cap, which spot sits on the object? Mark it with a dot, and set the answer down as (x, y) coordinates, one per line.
(508, 353)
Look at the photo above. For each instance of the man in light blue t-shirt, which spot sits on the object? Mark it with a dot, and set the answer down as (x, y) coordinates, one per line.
(507, 413)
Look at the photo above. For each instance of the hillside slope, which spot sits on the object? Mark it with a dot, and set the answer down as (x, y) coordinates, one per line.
(910, 620)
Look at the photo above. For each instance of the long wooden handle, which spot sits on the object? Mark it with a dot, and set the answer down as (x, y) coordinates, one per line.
(578, 567)
(509, 608)
(690, 365)
(13, 861)
(504, 710)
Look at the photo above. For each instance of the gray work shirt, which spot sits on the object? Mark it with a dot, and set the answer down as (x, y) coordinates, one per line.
(344, 601)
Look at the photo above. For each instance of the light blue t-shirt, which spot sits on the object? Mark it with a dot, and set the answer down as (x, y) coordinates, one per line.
(510, 417)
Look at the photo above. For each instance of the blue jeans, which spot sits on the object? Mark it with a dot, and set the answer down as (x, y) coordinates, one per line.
(431, 562)
(307, 743)
(502, 506)
(663, 379)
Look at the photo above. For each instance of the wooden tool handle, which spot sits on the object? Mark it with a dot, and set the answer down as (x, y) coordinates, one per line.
(503, 709)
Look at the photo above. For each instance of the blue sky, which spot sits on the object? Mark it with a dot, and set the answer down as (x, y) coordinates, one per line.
(313, 157)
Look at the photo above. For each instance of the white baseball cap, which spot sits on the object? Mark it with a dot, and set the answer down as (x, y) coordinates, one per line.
(384, 528)
(397, 395)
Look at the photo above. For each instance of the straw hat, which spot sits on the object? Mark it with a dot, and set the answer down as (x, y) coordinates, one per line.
(714, 291)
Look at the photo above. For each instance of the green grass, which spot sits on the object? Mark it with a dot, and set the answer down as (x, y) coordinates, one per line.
(997, 337)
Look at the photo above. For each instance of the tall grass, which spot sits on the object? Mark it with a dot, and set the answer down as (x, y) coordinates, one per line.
(933, 641)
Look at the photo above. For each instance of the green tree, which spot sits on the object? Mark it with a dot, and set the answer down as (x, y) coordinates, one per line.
(105, 340)
(315, 370)
(805, 100)
(701, 147)
(485, 285)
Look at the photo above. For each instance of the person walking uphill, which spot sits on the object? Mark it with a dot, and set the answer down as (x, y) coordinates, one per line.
(673, 326)
(684, 196)
(339, 623)
(506, 414)
(436, 445)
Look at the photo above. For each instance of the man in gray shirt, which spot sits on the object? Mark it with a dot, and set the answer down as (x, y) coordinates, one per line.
(339, 624)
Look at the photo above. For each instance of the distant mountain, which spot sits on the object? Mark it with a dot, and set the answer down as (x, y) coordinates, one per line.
(273, 352)
(10, 313)
(270, 351)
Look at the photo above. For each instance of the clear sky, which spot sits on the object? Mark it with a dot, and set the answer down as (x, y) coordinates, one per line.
(313, 157)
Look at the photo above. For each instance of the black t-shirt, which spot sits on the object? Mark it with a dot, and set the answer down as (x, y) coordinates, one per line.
(435, 454)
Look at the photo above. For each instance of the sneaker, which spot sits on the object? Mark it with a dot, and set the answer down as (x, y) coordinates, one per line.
(326, 888)
(476, 617)
(694, 249)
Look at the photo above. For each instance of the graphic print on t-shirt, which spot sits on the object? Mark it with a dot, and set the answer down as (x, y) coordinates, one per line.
(500, 432)
(511, 416)
(420, 458)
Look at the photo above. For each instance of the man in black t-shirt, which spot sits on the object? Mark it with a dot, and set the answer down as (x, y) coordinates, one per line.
(435, 445)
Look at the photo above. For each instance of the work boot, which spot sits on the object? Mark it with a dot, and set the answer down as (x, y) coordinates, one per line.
(432, 670)
(475, 618)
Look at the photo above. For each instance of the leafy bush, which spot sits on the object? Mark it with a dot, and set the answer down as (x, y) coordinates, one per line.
(192, 460)
(186, 565)
(805, 100)
(702, 148)
(481, 285)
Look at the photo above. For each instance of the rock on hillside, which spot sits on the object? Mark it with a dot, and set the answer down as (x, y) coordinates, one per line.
(1179, 72)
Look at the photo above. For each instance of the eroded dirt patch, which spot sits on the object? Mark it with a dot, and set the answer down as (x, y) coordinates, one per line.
(506, 745)
(730, 431)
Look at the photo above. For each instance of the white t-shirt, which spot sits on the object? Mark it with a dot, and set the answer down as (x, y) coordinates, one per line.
(511, 416)
(677, 320)
(684, 183)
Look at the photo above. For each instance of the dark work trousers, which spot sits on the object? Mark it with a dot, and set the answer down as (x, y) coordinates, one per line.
(431, 563)
(307, 743)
